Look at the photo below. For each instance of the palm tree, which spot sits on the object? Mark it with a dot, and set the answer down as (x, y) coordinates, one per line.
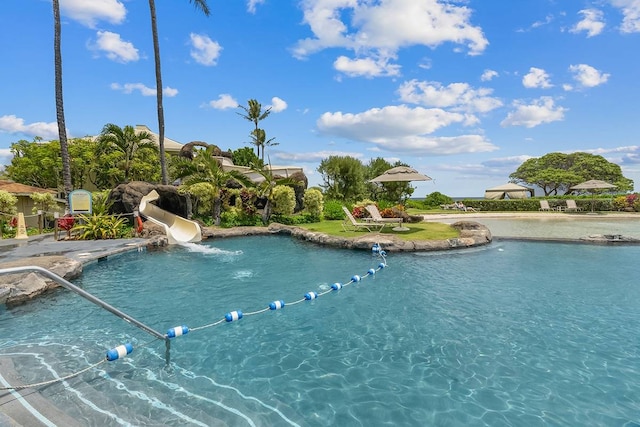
(204, 7)
(266, 186)
(62, 130)
(206, 168)
(255, 114)
(259, 138)
(126, 143)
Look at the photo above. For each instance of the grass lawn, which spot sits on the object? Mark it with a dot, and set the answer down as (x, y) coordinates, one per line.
(417, 231)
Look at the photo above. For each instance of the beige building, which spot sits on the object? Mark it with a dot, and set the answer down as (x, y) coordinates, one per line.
(25, 204)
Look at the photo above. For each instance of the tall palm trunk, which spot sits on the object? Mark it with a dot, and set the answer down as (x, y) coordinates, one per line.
(62, 130)
(156, 53)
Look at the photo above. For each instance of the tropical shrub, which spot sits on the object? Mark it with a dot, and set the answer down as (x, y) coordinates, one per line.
(203, 194)
(8, 208)
(283, 199)
(101, 227)
(100, 202)
(313, 202)
(436, 199)
(332, 209)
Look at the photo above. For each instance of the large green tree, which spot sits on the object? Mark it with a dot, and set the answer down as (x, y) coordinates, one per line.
(62, 130)
(556, 173)
(35, 163)
(343, 178)
(253, 112)
(202, 6)
(123, 146)
(395, 192)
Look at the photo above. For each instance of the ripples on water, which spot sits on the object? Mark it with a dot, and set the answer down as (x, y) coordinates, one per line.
(510, 334)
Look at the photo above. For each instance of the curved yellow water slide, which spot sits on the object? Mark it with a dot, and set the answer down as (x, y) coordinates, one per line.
(177, 228)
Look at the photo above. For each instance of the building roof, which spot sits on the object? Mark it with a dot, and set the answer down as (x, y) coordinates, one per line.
(22, 189)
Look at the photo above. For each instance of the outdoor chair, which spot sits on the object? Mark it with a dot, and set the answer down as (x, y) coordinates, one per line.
(544, 206)
(351, 224)
(378, 219)
(572, 207)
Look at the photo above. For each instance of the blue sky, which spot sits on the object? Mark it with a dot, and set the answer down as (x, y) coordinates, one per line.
(464, 91)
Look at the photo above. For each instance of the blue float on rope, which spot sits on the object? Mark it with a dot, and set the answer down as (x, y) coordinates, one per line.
(310, 295)
(177, 331)
(375, 249)
(234, 315)
(382, 265)
(119, 351)
(371, 271)
(276, 305)
(336, 286)
(355, 278)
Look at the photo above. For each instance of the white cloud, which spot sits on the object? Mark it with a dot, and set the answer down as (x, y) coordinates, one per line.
(403, 129)
(277, 105)
(488, 75)
(587, 76)
(5, 156)
(129, 88)
(251, 5)
(114, 47)
(506, 162)
(15, 125)
(592, 22)
(457, 96)
(536, 78)
(88, 13)
(379, 29)
(224, 102)
(367, 67)
(313, 157)
(631, 15)
(542, 110)
(204, 50)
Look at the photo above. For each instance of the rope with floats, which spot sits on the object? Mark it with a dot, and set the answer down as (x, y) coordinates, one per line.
(124, 350)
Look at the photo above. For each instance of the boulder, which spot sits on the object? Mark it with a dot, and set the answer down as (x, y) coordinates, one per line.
(125, 198)
(21, 287)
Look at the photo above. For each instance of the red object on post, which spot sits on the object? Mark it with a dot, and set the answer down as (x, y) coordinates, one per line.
(66, 222)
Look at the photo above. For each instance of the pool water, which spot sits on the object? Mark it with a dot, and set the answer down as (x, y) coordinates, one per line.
(514, 334)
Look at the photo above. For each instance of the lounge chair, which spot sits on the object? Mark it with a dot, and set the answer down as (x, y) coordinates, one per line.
(544, 206)
(378, 219)
(572, 207)
(351, 224)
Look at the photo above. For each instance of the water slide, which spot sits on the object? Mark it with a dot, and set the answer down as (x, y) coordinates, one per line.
(177, 228)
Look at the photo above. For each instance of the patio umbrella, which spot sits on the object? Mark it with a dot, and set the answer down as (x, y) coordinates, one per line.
(401, 174)
(593, 186)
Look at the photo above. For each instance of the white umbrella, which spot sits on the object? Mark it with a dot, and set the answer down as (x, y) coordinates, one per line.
(592, 186)
(401, 174)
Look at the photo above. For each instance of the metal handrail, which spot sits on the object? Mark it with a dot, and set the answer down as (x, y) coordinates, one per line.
(65, 283)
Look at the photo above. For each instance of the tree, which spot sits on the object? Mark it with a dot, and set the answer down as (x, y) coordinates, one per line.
(343, 178)
(245, 157)
(558, 172)
(255, 114)
(62, 130)
(394, 192)
(36, 164)
(259, 138)
(265, 188)
(206, 168)
(123, 146)
(204, 7)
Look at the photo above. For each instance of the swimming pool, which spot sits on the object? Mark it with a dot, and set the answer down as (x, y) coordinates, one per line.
(514, 333)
